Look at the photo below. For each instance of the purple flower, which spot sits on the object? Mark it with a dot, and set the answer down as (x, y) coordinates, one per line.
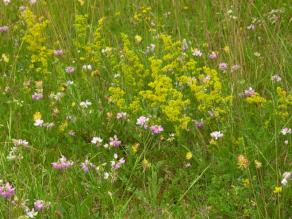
(156, 129)
(117, 165)
(86, 165)
(7, 190)
(4, 29)
(39, 205)
(199, 124)
(58, 52)
(249, 92)
(213, 55)
(62, 163)
(70, 69)
(115, 142)
(222, 66)
(142, 121)
(37, 96)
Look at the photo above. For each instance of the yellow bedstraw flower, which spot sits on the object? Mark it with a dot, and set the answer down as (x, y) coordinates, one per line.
(5, 58)
(138, 39)
(37, 116)
(189, 155)
(277, 189)
(258, 164)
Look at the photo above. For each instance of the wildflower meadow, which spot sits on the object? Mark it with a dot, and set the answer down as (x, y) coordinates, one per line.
(145, 109)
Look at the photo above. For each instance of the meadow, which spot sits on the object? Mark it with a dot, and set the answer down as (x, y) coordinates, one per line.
(145, 109)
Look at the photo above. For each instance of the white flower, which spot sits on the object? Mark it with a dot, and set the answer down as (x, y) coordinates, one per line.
(6, 2)
(32, 1)
(276, 78)
(196, 52)
(106, 175)
(286, 131)
(38, 122)
(96, 140)
(85, 104)
(216, 135)
(286, 177)
(31, 213)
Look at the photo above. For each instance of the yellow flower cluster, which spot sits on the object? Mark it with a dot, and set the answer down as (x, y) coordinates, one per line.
(256, 99)
(35, 38)
(284, 102)
(143, 14)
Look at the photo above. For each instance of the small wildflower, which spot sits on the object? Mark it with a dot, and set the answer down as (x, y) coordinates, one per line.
(242, 162)
(216, 134)
(86, 165)
(121, 115)
(31, 213)
(62, 163)
(40, 205)
(106, 175)
(38, 122)
(199, 124)
(196, 52)
(156, 129)
(223, 66)
(96, 140)
(286, 142)
(37, 96)
(142, 121)
(189, 155)
(276, 78)
(87, 67)
(235, 68)
(85, 104)
(6, 2)
(20, 142)
(213, 55)
(286, 131)
(138, 39)
(7, 190)
(246, 182)
(185, 45)
(4, 29)
(115, 142)
(249, 92)
(70, 70)
(146, 164)
(258, 164)
(58, 52)
(277, 189)
(286, 177)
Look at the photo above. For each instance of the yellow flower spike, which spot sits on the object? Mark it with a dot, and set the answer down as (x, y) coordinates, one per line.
(81, 2)
(258, 164)
(138, 39)
(73, 104)
(5, 58)
(246, 182)
(226, 49)
(189, 155)
(277, 189)
(135, 147)
(37, 116)
(146, 164)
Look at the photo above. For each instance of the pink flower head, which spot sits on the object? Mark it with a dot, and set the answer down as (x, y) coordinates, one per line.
(115, 142)
(70, 69)
(7, 190)
(249, 92)
(37, 96)
(156, 129)
(39, 205)
(142, 121)
(4, 29)
(223, 66)
(213, 55)
(286, 131)
(86, 165)
(58, 52)
(121, 115)
(62, 163)
(118, 164)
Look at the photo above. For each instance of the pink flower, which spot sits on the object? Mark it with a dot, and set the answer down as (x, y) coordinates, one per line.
(39, 204)
(121, 115)
(58, 52)
(117, 165)
(199, 124)
(70, 69)
(4, 29)
(37, 96)
(142, 121)
(222, 66)
(213, 55)
(249, 92)
(62, 163)
(7, 190)
(286, 131)
(156, 129)
(115, 142)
